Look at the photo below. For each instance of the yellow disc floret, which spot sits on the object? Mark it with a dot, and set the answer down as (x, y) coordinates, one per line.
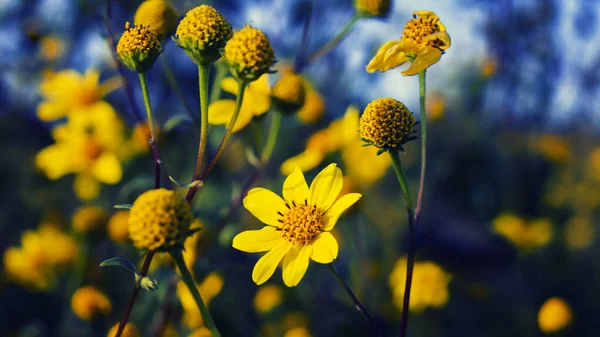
(249, 54)
(372, 7)
(302, 223)
(138, 48)
(159, 16)
(386, 123)
(88, 302)
(288, 92)
(423, 29)
(159, 220)
(130, 330)
(203, 34)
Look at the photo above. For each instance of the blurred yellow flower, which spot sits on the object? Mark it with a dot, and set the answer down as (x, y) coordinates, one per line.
(429, 285)
(554, 315)
(593, 166)
(423, 42)
(579, 232)
(118, 226)
(88, 302)
(294, 319)
(525, 235)
(209, 288)
(267, 298)
(298, 332)
(314, 105)
(87, 145)
(159, 15)
(298, 226)
(130, 330)
(51, 48)
(67, 92)
(257, 101)
(88, 218)
(489, 67)
(435, 106)
(201, 332)
(553, 147)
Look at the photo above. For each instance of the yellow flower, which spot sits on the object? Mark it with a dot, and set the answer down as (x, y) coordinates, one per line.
(298, 332)
(363, 166)
(88, 145)
(386, 124)
(130, 330)
(378, 8)
(526, 236)
(249, 54)
(579, 232)
(314, 105)
(257, 101)
(553, 147)
(423, 42)
(267, 298)
(554, 315)
(489, 67)
(201, 332)
(88, 302)
(118, 226)
(429, 285)
(435, 106)
(138, 48)
(159, 16)
(88, 218)
(288, 92)
(298, 226)
(51, 48)
(209, 288)
(67, 92)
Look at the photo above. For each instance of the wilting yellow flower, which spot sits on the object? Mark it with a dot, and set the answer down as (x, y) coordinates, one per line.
(386, 124)
(138, 48)
(579, 232)
(298, 332)
(209, 288)
(554, 315)
(314, 105)
(257, 101)
(429, 285)
(68, 91)
(87, 145)
(378, 8)
(288, 92)
(88, 302)
(51, 48)
(88, 218)
(553, 147)
(118, 226)
(201, 332)
(267, 298)
(159, 16)
(298, 226)
(526, 236)
(130, 330)
(423, 42)
(249, 54)
(435, 106)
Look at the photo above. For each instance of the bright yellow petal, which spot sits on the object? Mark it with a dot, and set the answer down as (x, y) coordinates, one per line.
(257, 94)
(425, 58)
(91, 78)
(220, 112)
(405, 46)
(86, 187)
(334, 213)
(326, 187)
(305, 161)
(266, 265)
(55, 161)
(325, 248)
(350, 125)
(244, 118)
(295, 187)
(394, 61)
(265, 205)
(60, 84)
(295, 264)
(49, 111)
(257, 241)
(230, 85)
(107, 168)
(377, 63)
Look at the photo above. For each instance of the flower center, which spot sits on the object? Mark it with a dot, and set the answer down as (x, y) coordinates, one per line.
(301, 223)
(418, 29)
(92, 149)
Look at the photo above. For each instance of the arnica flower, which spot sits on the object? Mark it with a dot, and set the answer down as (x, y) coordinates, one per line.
(88, 145)
(203, 34)
(209, 288)
(554, 315)
(88, 218)
(159, 16)
(130, 330)
(524, 235)
(118, 226)
(429, 285)
(88, 302)
(386, 124)
(298, 226)
(267, 298)
(67, 92)
(257, 101)
(423, 42)
(249, 54)
(138, 48)
(314, 105)
(288, 92)
(379, 8)
(159, 220)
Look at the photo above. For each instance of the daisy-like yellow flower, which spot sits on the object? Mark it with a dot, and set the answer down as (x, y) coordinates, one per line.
(68, 91)
(423, 42)
(257, 101)
(298, 225)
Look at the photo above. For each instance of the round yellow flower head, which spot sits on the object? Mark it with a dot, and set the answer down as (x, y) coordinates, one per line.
(386, 124)
(288, 93)
(159, 16)
(203, 34)
(118, 226)
(249, 54)
(554, 315)
(88, 218)
(267, 298)
(130, 330)
(159, 220)
(379, 8)
(88, 302)
(138, 48)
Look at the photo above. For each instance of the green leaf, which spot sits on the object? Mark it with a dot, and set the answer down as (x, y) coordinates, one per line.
(123, 206)
(120, 262)
(175, 121)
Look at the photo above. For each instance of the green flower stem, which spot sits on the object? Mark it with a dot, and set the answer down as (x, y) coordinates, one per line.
(272, 137)
(397, 163)
(187, 278)
(336, 39)
(203, 87)
(359, 306)
(258, 135)
(172, 80)
(152, 129)
(222, 69)
(423, 141)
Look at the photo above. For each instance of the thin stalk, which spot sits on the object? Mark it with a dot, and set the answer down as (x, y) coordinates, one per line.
(423, 142)
(359, 306)
(397, 163)
(187, 278)
(272, 137)
(172, 80)
(203, 88)
(336, 39)
(152, 130)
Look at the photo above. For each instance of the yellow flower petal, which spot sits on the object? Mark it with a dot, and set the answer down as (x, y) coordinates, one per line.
(107, 168)
(325, 248)
(425, 58)
(295, 187)
(326, 187)
(258, 95)
(334, 213)
(86, 187)
(49, 111)
(266, 265)
(264, 205)
(305, 161)
(377, 63)
(220, 112)
(295, 264)
(257, 241)
(55, 161)
(230, 85)
(244, 118)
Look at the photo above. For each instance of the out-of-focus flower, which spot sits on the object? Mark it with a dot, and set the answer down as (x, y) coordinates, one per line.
(298, 332)
(67, 92)
(423, 42)
(88, 302)
(593, 165)
(87, 145)
(386, 124)
(190, 251)
(579, 232)
(249, 54)
(314, 105)
(209, 288)
(294, 319)
(257, 101)
(553, 147)
(201, 332)
(140, 138)
(429, 285)
(267, 298)
(554, 315)
(298, 226)
(138, 48)
(234, 159)
(159, 16)
(118, 226)
(288, 92)
(489, 67)
(379, 8)
(130, 330)
(88, 218)
(435, 106)
(51, 48)
(525, 235)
